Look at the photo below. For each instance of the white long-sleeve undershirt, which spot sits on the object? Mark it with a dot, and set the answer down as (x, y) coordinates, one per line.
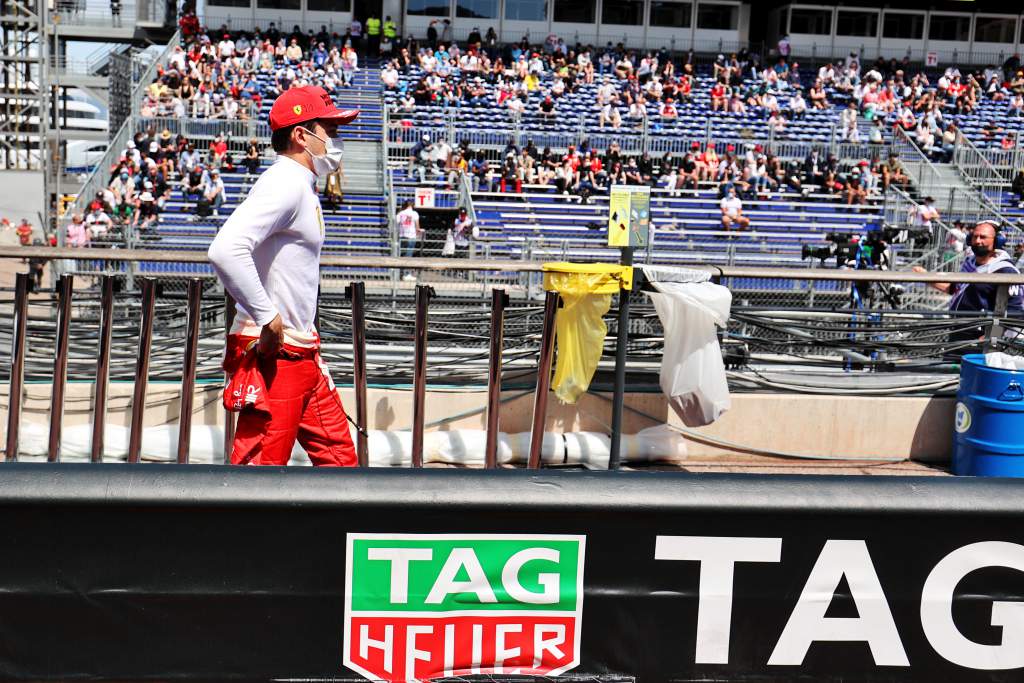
(267, 253)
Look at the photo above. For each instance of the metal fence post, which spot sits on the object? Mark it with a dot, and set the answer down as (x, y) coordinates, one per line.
(65, 288)
(499, 299)
(423, 294)
(142, 369)
(357, 295)
(229, 416)
(17, 374)
(99, 405)
(188, 375)
(540, 399)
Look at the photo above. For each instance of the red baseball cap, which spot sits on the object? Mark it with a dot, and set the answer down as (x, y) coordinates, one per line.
(298, 105)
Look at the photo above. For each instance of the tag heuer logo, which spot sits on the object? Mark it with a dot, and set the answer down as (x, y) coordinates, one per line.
(421, 606)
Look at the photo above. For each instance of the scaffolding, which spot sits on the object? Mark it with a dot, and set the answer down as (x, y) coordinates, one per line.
(37, 75)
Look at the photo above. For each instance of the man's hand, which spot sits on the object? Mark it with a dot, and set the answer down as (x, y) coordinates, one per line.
(271, 338)
(943, 287)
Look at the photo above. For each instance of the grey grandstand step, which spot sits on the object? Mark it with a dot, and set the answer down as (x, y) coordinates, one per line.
(363, 167)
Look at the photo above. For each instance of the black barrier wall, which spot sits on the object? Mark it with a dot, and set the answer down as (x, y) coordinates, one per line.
(211, 573)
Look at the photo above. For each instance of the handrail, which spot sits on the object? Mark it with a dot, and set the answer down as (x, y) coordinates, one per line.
(147, 76)
(391, 205)
(928, 177)
(967, 156)
(96, 179)
(436, 264)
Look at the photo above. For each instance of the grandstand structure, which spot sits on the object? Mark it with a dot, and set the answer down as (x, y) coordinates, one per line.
(539, 223)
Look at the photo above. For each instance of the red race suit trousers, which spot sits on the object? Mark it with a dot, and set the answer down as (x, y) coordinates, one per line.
(299, 403)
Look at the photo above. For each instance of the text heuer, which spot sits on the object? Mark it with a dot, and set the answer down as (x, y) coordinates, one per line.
(420, 606)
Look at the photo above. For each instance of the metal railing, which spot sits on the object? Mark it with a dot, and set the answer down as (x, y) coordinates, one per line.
(994, 325)
(143, 80)
(83, 13)
(986, 180)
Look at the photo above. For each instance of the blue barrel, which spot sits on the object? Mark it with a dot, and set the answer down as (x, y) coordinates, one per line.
(989, 422)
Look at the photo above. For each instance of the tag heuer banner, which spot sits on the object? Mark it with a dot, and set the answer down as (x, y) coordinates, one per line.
(420, 606)
(193, 573)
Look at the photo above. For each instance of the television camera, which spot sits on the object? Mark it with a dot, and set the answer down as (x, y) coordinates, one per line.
(867, 251)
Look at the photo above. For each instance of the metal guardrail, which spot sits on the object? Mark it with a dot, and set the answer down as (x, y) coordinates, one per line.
(66, 292)
(436, 264)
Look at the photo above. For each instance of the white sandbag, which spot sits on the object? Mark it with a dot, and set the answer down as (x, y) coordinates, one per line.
(654, 444)
(590, 449)
(692, 372)
(552, 449)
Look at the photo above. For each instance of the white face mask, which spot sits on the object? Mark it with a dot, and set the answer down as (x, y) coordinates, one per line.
(330, 160)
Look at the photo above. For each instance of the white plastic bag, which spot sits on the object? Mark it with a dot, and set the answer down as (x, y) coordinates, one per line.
(449, 245)
(692, 371)
(1004, 361)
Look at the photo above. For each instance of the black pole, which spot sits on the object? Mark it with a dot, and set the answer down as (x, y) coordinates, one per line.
(499, 299)
(621, 339)
(357, 295)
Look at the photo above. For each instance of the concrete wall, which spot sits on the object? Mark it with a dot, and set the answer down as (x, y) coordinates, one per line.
(914, 428)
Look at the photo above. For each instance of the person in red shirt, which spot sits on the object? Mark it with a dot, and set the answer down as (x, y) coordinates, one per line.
(572, 165)
(24, 232)
(219, 150)
(719, 97)
(685, 88)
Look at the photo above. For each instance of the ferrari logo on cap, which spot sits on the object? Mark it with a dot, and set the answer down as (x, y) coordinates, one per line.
(297, 109)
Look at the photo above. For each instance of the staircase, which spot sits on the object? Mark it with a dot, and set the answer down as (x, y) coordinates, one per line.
(364, 204)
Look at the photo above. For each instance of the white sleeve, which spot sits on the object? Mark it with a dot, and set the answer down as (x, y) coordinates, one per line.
(257, 218)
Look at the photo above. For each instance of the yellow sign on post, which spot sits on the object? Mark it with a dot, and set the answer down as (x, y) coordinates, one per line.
(629, 216)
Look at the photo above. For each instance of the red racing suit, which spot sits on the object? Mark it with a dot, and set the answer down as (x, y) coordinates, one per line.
(288, 397)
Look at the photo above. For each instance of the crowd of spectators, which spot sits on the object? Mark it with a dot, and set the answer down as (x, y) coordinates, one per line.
(224, 74)
(751, 171)
(630, 86)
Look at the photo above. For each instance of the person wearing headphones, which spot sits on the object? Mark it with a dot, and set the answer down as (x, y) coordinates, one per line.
(267, 254)
(987, 256)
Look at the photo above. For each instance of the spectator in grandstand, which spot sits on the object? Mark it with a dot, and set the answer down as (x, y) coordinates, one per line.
(77, 234)
(924, 214)
(814, 168)
(123, 187)
(193, 184)
(24, 232)
(252, 158)
(719, 96)
(1017, 187)
(819, 100)
(420, 156)
(409, 233)
(146, 212)
(213, 191)
(98, 222)
(1015, 106)
(218, 155)
(462, 232)
(732, 211)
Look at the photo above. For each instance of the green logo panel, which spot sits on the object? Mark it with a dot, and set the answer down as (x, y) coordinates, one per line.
(432, 574)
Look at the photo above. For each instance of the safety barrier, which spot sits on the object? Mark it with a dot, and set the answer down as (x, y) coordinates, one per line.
(423, 293)
(578, 576)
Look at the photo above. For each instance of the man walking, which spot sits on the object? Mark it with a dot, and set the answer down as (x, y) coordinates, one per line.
(267, 254)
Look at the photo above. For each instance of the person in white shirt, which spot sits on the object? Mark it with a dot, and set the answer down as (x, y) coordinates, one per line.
(213, 191)
(462, 231)
(267, 255)
(409, 232)
(98, 223)
(732, 211)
